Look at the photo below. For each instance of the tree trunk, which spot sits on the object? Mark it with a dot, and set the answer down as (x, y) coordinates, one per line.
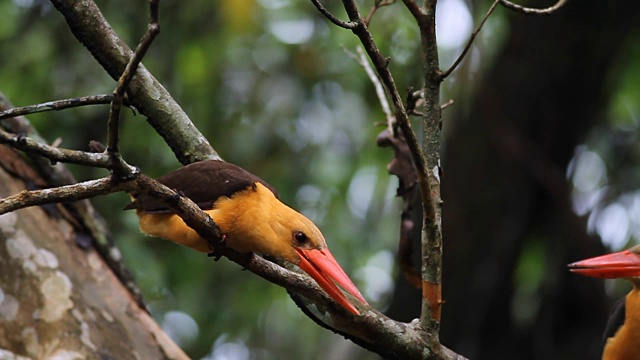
(58, 299)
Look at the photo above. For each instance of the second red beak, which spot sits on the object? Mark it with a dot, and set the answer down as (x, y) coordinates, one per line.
(616, 265)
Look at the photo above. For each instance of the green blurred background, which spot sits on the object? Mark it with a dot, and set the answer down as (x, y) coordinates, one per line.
(543, 133)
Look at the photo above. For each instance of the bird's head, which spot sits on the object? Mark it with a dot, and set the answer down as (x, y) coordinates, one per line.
(623, 264)
(308, 249)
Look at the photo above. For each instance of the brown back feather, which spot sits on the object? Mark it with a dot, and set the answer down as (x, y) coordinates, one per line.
(202, 182)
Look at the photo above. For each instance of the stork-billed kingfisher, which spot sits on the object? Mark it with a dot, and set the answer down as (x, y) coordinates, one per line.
(622, 332)
(250, 217)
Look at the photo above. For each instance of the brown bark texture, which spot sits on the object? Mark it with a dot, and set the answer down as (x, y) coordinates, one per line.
(58, 300)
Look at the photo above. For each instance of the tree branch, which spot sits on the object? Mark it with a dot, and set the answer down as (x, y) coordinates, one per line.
(57, 105)
(119, 167)
(361, 59)
(148, 96)
(381, 65)
(430, 180)
(532, 11)
(428, 183)
(24, 143)
(415, 10)
(376, 6)
(468, 45)
(75, 192)
(333, 18)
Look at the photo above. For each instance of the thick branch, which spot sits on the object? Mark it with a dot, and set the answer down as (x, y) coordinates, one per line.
(91, 28)
(415, 10)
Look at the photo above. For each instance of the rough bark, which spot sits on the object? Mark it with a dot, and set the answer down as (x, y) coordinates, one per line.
(58, 299)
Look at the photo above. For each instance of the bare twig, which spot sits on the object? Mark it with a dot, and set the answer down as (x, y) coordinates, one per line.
(119, 167)
(380, 63)
(361, 59)
(148, 96)
(153, 29)
(532, 11)
(429, 184)
(54, 154)
(333, 18)
(75, 192)
(376, 6)
(468, 45)
(401, 165)
(57, 105)
(426, 163)
(82, 211)
(447, 104)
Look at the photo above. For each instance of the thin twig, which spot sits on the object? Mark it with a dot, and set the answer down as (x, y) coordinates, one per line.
(532, 11)
(376, 6)
(381, 65)
(468, 45)
(113, 134)
(153, 30)
(361, 59)
(75, 192)
(333, 18)
(89, 26)
(57, 105)
(402, 118)
(447, 104)
(429, 185)
(54, 154)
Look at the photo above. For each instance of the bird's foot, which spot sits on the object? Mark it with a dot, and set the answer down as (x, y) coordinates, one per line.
(218, 248)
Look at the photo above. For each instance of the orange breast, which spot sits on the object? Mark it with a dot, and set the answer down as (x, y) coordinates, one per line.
(243, 218)
(625, 344)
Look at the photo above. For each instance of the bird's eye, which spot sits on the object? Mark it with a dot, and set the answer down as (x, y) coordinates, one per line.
(300, 237)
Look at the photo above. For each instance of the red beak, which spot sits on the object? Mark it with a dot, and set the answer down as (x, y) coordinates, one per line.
(324, 268)
(616, 265)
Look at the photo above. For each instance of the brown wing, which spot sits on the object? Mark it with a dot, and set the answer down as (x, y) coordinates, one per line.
(202, 182)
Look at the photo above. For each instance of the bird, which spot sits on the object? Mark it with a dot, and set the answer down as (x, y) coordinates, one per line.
(622, 332)
(251, 219)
